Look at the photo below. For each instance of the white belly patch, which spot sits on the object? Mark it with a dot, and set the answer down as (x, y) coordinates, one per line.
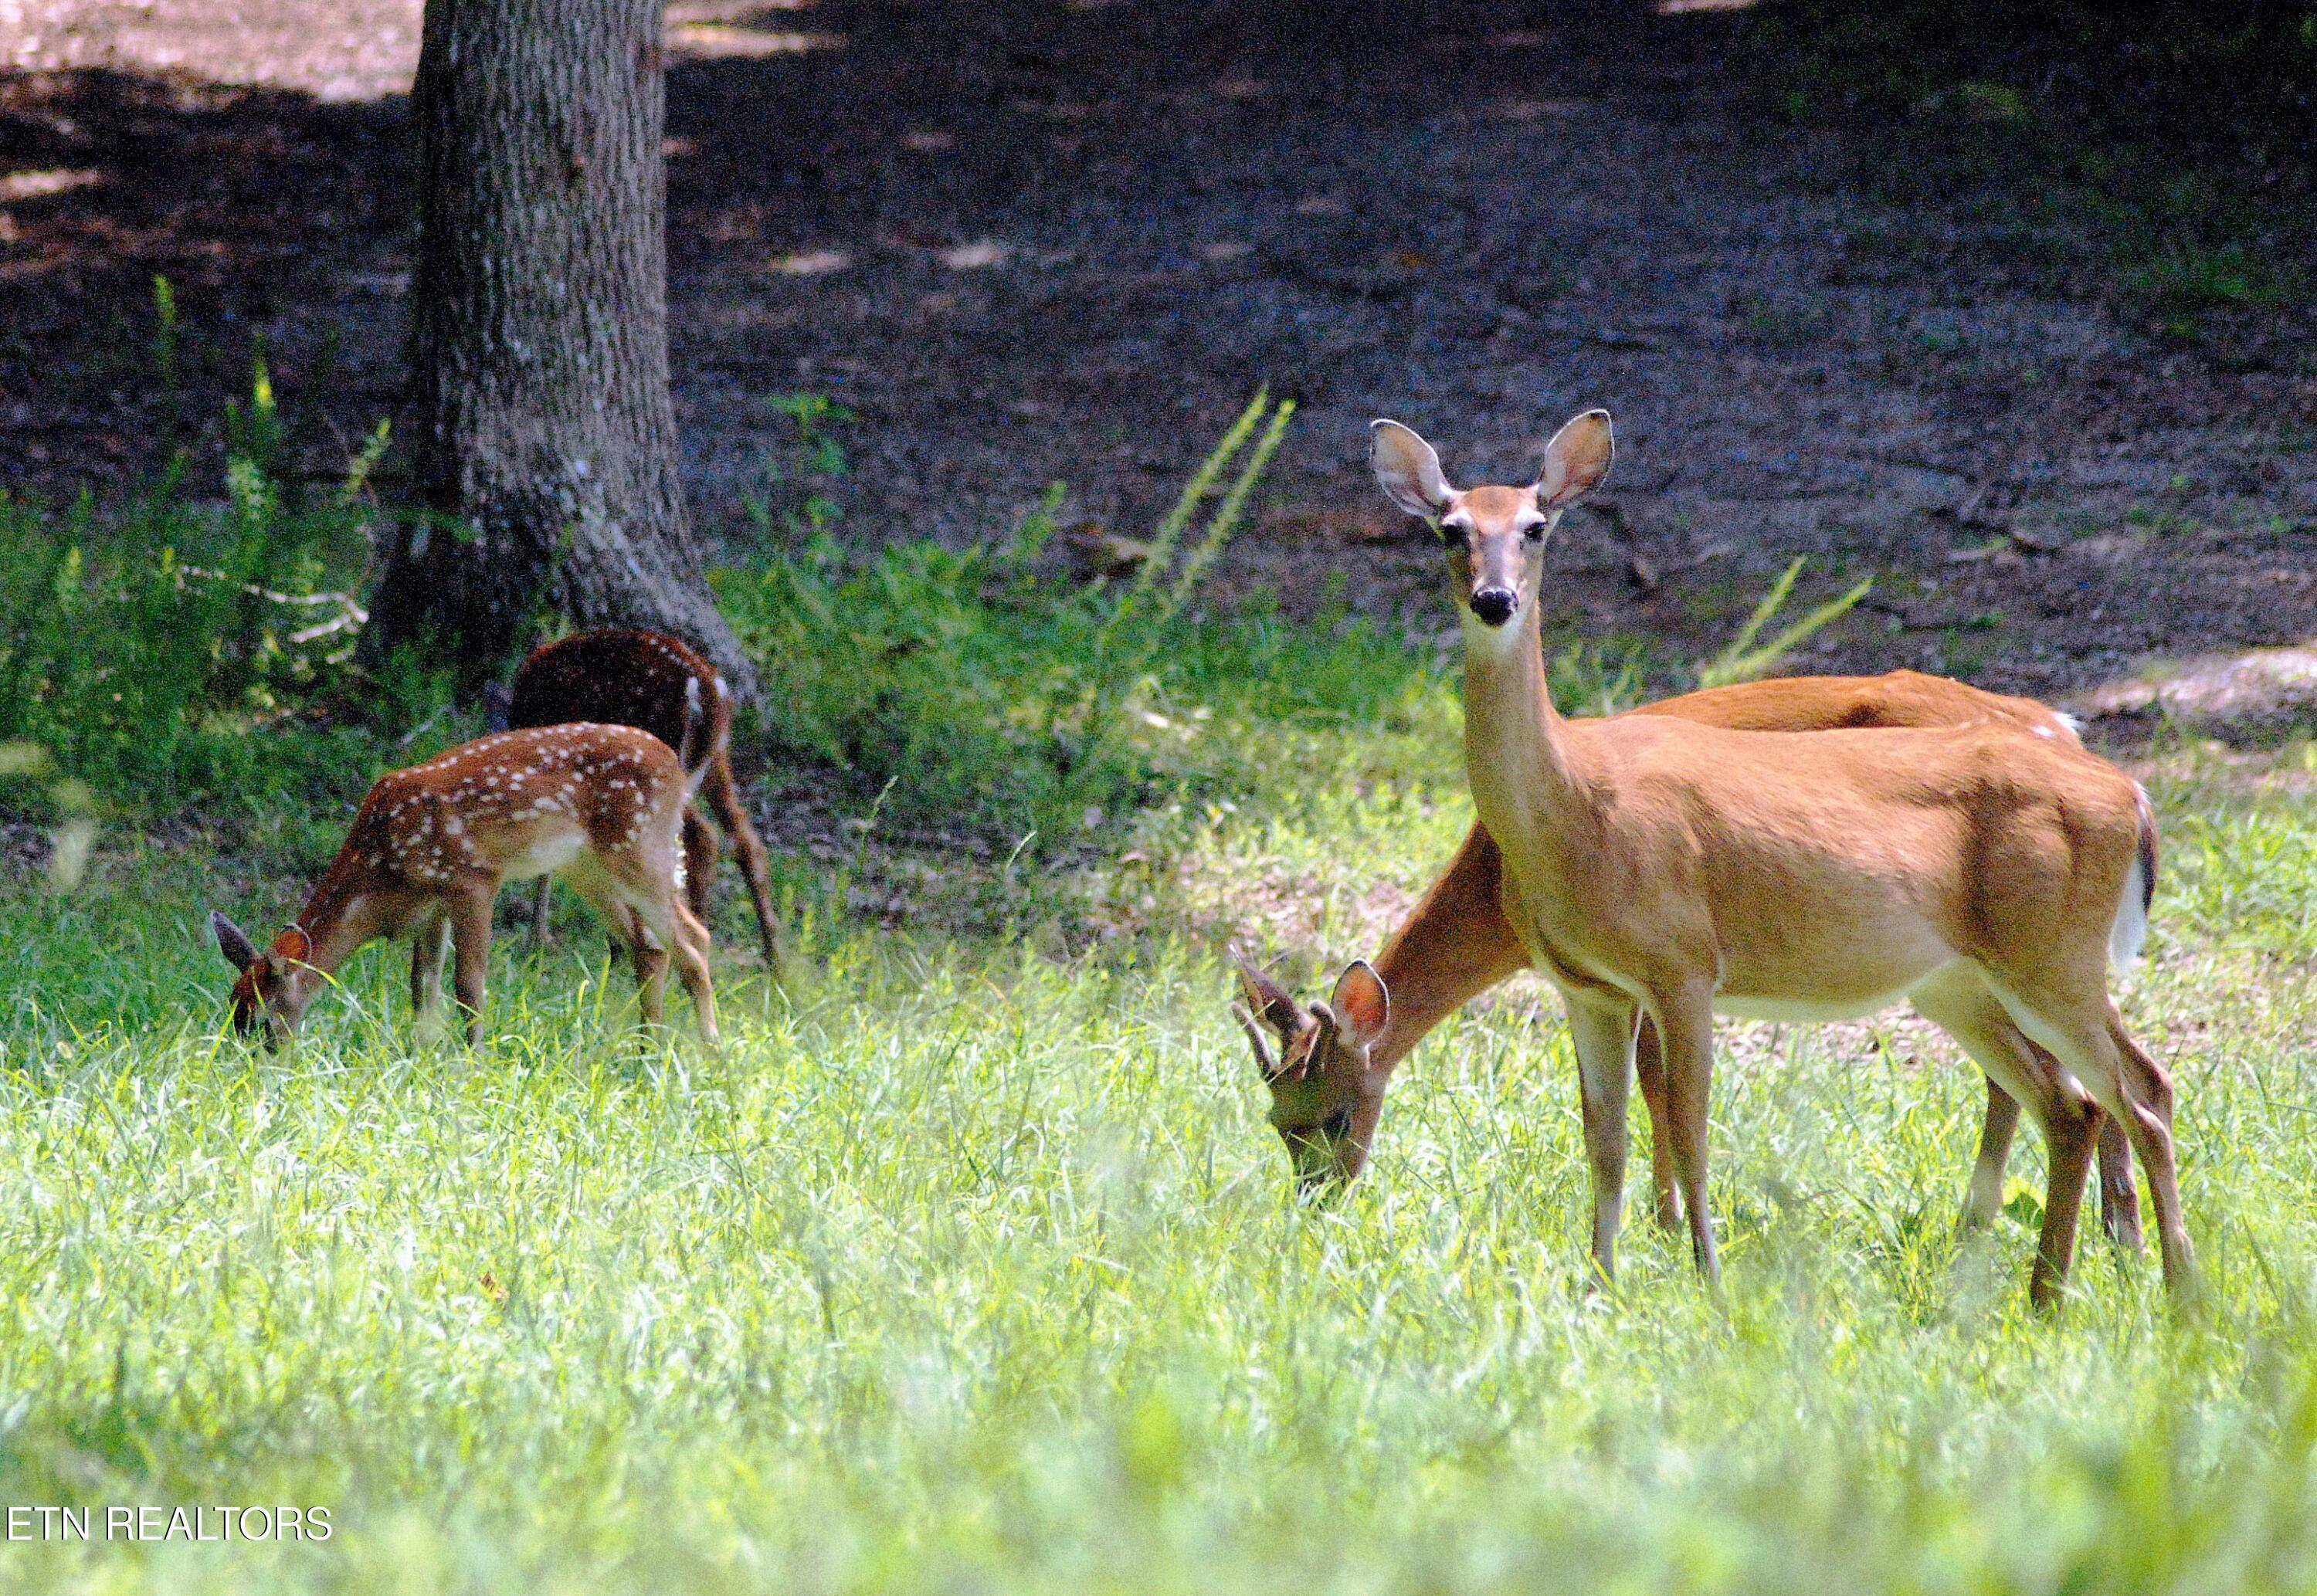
(1804, 1013)
(545, 856)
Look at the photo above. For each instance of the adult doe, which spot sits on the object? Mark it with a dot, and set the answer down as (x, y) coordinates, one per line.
(1657, 866)
(1458, 943)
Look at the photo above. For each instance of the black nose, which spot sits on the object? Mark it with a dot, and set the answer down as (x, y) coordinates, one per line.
(1494, 605)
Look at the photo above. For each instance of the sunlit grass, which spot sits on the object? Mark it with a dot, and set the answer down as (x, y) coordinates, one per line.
(965, 1267)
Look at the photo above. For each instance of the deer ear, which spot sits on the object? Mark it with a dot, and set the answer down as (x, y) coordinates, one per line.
(1361, 1002)
(1407, 469)
(232, 941)
(1267, 998)
(1576, 460)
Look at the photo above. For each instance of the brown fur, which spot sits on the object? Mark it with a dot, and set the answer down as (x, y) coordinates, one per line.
(1656, 868)
(431, 844)
(632, 677)
(1458, 942)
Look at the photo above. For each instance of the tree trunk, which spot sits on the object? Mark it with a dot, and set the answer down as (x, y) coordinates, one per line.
(544, 439)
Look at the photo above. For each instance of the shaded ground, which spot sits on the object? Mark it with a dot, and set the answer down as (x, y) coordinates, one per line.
(1064, 243)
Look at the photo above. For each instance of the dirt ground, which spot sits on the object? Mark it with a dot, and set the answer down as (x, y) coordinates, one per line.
(1035, 243)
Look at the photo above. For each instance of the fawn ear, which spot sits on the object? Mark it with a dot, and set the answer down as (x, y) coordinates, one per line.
(1361, 1004)
(232, 941)
(1576, 460)
(1267, 998)
(1407, 469)
(498, 701)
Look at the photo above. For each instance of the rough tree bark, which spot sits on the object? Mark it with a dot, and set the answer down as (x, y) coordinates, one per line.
(544, 438)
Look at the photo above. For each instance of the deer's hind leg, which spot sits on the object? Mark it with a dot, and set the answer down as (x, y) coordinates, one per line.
(611, 898)
(663, 922)
(1962, 1005)
(2083, 1031)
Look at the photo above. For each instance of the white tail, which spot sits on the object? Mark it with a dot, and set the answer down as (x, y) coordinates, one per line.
(2130, 929)
(599, 805)
(1659, 866)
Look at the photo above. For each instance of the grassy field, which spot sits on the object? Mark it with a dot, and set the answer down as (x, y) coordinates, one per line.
(971, 1268)
(970, 1264)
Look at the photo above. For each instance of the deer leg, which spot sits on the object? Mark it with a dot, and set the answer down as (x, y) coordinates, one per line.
(691, 946)
(1983, 1199)
(2119, 1195)
(471, 946)
(2148, 1088)
(724, 792)
(537, 935)
(1684, 1020)
(428, 939)
(651, 976)
(1965, 1009)
(673, 933)
(2088, 1039)
(1603, 1035)
(1649, 1068)
(699, 856)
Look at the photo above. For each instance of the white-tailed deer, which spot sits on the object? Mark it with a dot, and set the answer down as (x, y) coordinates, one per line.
(1656, 866)
(623, 676)
(1458, 943)
(601, 806)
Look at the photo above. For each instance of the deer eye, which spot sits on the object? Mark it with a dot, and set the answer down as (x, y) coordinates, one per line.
(1533, 531)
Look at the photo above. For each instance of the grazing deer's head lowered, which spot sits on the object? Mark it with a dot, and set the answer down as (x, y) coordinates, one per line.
(274, 985)
(599, 805)
(1325, 1098)
(1495, 536)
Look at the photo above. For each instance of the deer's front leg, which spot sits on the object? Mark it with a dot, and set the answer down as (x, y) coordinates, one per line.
(1602, 1031)
(1684, 1014)
(469, 916)
(1648, 1070)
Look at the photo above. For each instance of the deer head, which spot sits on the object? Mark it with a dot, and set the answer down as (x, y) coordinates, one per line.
(1494, 537)
(1325, 1097)
(274, 985)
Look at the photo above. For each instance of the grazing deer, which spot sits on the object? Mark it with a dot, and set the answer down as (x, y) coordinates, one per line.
(628, 677)
(1458, 943)
(599, 805)
(1652, 866)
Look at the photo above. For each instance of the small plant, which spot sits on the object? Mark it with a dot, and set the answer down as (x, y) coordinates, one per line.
(165, 344)
(813, 456)
(1741, 660)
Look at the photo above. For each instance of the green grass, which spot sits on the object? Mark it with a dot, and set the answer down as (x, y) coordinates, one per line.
(970, 1264)
(969, 1268)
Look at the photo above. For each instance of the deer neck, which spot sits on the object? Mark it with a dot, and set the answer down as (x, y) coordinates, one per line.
(1517, 752)
(337, 919)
